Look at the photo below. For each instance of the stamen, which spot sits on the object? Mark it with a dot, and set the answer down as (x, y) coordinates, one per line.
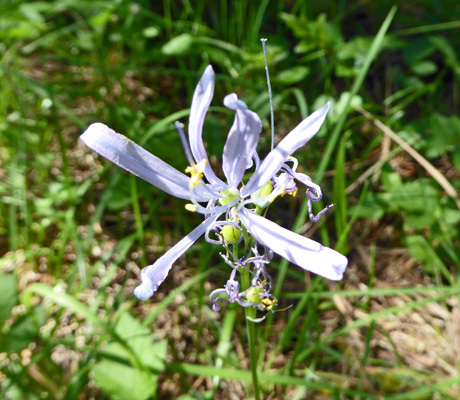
(295, 162)
(279, 192)
(183, 139)
(272, 114)
(268, 304)
(313, 217)
(190, 207)
(196, 173)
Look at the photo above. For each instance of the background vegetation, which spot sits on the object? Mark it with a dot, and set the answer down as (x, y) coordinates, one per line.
(75, 230)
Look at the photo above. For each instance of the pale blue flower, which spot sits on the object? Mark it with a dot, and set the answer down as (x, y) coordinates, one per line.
(237, 202)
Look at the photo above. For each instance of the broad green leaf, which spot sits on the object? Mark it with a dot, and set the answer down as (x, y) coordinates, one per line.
(126, 377)
(123, 382)
(419, 196)
(391, 180)
(139, 339)
(444, 135)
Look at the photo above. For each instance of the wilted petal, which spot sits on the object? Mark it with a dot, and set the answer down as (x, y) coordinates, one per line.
(154, 275)
(306, 253)
(200, 104)
(277, 157)
(133, 158)
(241, 142)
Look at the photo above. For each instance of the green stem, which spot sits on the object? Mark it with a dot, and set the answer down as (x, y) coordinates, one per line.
(251, 328)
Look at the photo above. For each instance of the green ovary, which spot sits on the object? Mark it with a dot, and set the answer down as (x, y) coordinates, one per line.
(228, 195)
(230, 233)
(253, 294)
(266, 189)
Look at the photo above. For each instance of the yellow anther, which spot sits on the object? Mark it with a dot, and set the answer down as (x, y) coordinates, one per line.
(293, 194)
(190, 207)
(280, 192)
(196, 173)
(268, 304)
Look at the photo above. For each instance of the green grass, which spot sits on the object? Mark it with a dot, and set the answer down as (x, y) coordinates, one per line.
(75, 230)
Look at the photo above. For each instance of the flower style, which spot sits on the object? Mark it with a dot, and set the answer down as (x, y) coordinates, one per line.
(241, 204)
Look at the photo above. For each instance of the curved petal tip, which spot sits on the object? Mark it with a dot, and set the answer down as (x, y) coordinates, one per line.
(93, 131)
(144, 291)
(152, 277)
(334, 265)
(232, 102)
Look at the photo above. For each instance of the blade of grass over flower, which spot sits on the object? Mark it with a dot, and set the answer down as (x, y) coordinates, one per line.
(63, 299)
(163, 124)
(272, 379)
(371, 55)
(376, 292)
(221, 44)
(256, 25)
(343, 235)
(301, 102)
(339, 184)
(427, 28)
(427, 391)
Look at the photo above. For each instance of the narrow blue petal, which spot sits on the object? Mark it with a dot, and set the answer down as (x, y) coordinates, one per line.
(200, 104)
(306, 253)
(277, 157)
(153, 275)
(133, 158)
(241, 142)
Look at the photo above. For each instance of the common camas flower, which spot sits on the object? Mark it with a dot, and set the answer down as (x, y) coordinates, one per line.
(232, 206)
